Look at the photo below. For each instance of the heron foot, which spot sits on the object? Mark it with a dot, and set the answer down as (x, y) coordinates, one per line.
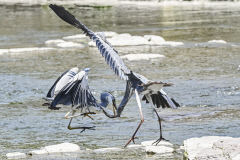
(54, 108)
(87, 114)
(90, 128)
(83, 128)
(159, 140)
(132, 139)
(46, 104)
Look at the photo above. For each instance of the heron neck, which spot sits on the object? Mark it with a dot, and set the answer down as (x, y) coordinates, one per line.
(104, 104)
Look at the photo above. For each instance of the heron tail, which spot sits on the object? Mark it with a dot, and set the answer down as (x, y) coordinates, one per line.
(161, 99)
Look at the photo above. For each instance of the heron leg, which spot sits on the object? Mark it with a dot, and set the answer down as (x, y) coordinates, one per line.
(160, 127)
(69, 125)
(142, 119)
(83, 128)
(82, 114)
(159, 121)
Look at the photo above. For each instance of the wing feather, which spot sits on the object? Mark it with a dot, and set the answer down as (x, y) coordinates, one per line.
(75, 93)
(103, 46)
(50, 93)
(161, 99)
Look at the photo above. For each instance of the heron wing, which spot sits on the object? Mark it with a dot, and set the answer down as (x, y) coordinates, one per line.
(109, 53)
(161, 99)
(50, 93)
(75, 93)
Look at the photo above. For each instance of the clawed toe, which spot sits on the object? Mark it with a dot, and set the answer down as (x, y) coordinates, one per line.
(131, 140)
(84, 128)
(159, 140)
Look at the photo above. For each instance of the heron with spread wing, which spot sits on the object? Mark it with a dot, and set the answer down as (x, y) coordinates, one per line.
(72, 88)
(151, 91)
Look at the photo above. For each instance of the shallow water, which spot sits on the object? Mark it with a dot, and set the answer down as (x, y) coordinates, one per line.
(206, 77)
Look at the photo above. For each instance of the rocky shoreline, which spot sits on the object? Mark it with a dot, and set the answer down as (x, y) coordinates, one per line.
(208, 147)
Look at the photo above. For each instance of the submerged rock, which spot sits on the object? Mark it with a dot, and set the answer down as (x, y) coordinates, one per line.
(61, 148)
(54, 41)
(126, 39)
(163, 147)
(217, 41)
(212, 147)
(161, 143)
(16, 51)
(137, 57)
(70, 45)
(159, 149)
(16, 155)
(74, 37)
(56, 149)
(38, 152)
(105, 150)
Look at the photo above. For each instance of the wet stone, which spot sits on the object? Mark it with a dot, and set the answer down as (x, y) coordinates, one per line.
(16, 155)
(38, 152)
(159, 149)
(137, 57)
(163, 147)
(161, 143)
(212, 147)
(61, 148)
(106, 150)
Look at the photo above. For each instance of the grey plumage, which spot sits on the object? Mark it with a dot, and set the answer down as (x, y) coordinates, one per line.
(111, 56)
(151, 90)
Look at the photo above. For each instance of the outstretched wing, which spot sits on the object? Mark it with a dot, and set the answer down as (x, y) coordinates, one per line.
(50, 93)
(161, 99)
(75, 93)
(109, 53)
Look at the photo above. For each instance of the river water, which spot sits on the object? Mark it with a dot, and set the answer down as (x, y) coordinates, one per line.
(206, 77)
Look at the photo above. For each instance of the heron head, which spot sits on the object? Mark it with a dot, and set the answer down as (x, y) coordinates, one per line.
(107, 97)
(87, 70)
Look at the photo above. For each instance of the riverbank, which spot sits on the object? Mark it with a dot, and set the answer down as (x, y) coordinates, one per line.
(109, 3)
(208, 147)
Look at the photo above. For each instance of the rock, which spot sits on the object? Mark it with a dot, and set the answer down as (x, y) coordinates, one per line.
(105, 150)
(16, 51)
(159, 149)
(54, 41)
(135, 146)
(70, 45)
(212, 147)
(127, 39)
(38, 152)
(73, 37)
(217, 41)
(161, 143)
(154, 40)
(109, 34)
(16, 155)
(163, 147)
(172, 43)
(137, 57)
(61, 148)
(238, 68)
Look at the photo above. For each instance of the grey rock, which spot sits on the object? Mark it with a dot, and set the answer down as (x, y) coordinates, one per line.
(16, 155)
(211, 148)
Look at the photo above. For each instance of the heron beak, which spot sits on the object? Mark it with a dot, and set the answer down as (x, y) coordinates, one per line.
(114, 106)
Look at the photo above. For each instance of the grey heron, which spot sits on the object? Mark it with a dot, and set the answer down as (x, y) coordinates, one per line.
(150, 90)
(72, 88)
